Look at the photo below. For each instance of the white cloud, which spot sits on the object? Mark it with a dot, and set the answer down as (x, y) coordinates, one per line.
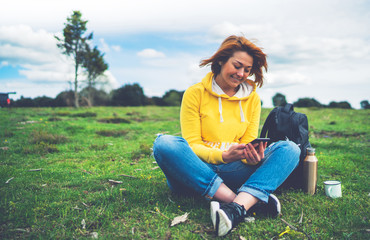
(4, 64)
(105, 47)
(116, 48)
(283, 78)
(150, 53)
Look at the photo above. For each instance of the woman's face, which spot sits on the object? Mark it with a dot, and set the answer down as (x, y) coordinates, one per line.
(234, 71)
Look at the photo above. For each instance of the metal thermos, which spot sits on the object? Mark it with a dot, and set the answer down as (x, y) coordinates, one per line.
(310, 171)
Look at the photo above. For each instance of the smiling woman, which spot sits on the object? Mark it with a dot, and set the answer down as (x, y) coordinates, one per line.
(215, 157)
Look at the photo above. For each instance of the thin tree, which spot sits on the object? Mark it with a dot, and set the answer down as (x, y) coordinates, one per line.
(74, 44)
(95, 66)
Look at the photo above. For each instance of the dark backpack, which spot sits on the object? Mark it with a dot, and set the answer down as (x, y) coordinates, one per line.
(284, 123)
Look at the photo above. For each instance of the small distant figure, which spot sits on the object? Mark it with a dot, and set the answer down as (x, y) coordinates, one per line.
(4, 99)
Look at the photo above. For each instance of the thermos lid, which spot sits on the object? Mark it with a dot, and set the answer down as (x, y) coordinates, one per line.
(310, 150)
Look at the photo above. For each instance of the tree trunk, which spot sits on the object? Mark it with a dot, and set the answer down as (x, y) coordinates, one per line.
(90, 96)
(77, 105)
(76, 89)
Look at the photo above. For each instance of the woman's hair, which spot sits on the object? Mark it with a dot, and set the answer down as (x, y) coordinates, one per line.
(227, 49)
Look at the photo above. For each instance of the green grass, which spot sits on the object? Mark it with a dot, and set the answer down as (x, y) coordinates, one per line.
(73, 153)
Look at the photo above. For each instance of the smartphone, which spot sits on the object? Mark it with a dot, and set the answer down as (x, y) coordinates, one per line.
(257, 140)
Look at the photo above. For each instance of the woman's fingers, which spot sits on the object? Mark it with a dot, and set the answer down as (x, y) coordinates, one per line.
(251, 154)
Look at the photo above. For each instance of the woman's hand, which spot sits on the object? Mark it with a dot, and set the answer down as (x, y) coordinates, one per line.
(252, 153)
(235, 153)
(255, 153)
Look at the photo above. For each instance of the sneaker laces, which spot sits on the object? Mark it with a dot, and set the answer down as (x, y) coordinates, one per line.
(235, 212)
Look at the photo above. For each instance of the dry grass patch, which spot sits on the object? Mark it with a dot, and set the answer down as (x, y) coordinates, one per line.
(40, 148)
(112, 133)
(45, 137)
(114, 120)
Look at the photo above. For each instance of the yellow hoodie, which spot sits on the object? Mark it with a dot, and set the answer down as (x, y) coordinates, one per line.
(211, 121)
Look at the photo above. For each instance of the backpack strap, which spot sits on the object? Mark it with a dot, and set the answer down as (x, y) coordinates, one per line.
(268, 123)
(288, 108)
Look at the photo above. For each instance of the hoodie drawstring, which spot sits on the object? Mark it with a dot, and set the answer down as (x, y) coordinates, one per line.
(242, 119)
(220, 109)
(241, 112)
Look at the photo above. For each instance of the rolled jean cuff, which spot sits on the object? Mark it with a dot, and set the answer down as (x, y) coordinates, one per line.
(213, 187)
(258, 193)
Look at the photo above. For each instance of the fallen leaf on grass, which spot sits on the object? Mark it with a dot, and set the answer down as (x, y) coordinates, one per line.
(155, 168)
(76, 208)
(301, 218)
(35, 170)
(94, 235)
(27, 122)
(179, 219)
(23, 230)
(9, 180)
(124, 175)
(114, 182)
(86, 171)
(83, 223)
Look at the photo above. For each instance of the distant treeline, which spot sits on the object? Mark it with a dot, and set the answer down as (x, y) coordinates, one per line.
(133, 95)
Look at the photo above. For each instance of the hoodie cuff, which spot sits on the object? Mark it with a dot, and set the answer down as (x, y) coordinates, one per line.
(217, 157)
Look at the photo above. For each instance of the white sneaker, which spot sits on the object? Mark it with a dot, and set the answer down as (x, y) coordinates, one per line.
(214, 207)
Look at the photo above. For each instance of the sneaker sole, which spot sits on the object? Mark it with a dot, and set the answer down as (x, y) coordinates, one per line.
(278, 206)
(223, 223)
(215, 206)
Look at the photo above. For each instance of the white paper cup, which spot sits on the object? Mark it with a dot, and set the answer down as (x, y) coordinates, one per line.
(333, 188)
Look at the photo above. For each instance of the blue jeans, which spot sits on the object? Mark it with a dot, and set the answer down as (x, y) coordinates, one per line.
(186, 173)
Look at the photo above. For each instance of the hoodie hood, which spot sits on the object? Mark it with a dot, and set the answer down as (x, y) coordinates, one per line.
(246, 89)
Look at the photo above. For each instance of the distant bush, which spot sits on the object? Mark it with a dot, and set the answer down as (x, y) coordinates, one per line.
(307, 102)
(24, 102)
(65, 99)
(128, 95)
(343, 104)
(365, 104)
(172, 98)
(44, 102)
(279, 100)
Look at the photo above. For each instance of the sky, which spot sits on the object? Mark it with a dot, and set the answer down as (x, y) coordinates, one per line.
(317, 49)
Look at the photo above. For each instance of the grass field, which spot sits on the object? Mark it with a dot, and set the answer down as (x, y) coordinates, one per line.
(88, 173)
